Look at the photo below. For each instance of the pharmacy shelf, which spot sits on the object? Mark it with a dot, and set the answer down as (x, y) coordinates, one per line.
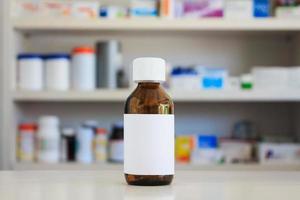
(66, 166)
(109, 166)
(31, 24)
(95, 96)
(178, 96)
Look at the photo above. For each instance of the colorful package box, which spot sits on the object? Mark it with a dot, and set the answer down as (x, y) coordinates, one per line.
(84, 9)
(55, 8)
(183, 148)
(143, 8)
(25, 8)
(206, 151)
(202, 8)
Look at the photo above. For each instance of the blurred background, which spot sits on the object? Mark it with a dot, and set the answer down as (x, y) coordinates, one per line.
(233, 71)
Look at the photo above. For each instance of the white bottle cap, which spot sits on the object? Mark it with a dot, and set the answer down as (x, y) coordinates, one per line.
(68, 132)
(49, 120)
(149, 69)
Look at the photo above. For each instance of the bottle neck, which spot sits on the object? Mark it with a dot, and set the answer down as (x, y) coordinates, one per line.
(149, 85)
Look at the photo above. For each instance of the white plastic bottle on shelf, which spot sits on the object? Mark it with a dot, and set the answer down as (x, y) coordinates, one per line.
(48, 139)
(85, 137)
(83, 69)
(57, 72)
(30, 68)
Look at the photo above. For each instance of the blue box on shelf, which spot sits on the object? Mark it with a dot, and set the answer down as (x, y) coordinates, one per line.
(207, 142)
(262, 8)
(213, 78)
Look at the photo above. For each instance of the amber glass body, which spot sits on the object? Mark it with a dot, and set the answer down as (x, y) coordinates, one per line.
(149, 98)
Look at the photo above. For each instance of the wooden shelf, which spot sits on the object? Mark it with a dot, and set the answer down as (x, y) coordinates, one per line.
(177, 96)
(110, 166)
(70, 24)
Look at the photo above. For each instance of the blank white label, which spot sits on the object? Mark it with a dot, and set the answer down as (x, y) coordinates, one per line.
(149, 144)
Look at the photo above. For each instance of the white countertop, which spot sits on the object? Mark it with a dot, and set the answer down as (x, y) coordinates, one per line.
(106, 185)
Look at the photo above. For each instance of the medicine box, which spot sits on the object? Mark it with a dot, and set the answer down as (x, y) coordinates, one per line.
(26, 8)
(213, 78)
(184, 78)
(206, 150)
(235, 150)
(55, 8)
(294, 77)
(237, 9)
(84, 9)
(285, 153)
(143, 8)
(262, 8)
(184, 146)
(271, 78)
(287, 12)
(202, 8)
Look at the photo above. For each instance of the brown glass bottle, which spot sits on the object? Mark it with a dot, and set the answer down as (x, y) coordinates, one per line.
(149, 98)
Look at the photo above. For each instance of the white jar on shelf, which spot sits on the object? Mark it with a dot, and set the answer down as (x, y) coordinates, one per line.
(49, 139)
(83, 69)
(30, 68)
(57, 72)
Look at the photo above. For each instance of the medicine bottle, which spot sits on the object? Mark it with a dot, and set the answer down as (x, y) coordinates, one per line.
(57, 72)
(48, 139)
(68, 145)
(85, 137)
(100, 145)
(116, 144)
(149, 127)
(31, 69)
(83, 73)
(26, 142)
